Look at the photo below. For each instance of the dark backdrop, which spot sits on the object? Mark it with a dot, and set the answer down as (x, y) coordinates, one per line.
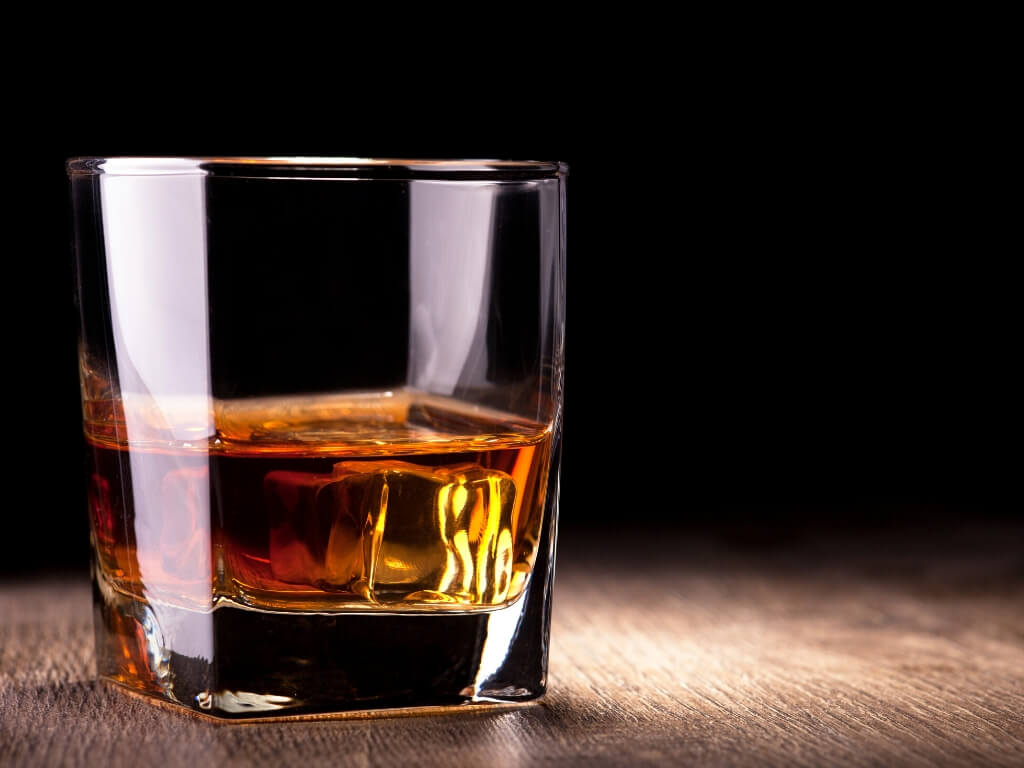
(771, 323)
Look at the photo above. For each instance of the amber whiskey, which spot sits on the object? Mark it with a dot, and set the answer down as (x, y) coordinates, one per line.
(298, 522)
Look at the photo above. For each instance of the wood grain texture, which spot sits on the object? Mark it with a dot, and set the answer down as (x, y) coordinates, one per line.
(666, 650)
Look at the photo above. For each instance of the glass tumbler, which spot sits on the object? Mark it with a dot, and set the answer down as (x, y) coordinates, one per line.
(322, 402)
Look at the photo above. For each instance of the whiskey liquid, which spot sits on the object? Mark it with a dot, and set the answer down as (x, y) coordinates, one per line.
(391, 501)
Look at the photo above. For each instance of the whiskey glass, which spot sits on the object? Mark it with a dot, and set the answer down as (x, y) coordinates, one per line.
(322, 403)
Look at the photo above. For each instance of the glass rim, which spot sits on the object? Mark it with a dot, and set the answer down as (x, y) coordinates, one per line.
(298, 167)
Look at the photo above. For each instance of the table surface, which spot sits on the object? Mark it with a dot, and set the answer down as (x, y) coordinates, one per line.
(666, 648)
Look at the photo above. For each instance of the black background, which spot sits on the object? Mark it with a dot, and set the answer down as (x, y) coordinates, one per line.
(837, 315)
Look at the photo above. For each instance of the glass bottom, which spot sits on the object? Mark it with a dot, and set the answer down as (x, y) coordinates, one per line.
(238, 663)
(467, 707)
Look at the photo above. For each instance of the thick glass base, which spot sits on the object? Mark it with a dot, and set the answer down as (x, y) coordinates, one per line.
(482, 706)
(234, 662)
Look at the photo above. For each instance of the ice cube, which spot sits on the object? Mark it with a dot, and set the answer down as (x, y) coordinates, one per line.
(315, 539)
(395, 532)
(439, 535)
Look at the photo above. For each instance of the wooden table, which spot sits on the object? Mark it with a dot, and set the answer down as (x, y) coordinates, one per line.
(897, 648)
